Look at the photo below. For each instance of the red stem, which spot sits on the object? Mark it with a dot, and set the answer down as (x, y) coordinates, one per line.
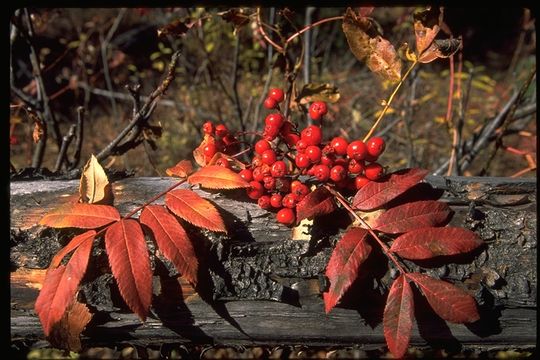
(312, 26)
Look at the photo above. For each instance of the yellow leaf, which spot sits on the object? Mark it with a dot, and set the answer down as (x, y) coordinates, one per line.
(94, 187)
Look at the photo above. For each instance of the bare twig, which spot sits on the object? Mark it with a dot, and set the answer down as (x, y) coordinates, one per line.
(448, 117)
(307, 49)
(235, 84)
(411, 161)
(66, 140)
(264, 35)
(79, 134)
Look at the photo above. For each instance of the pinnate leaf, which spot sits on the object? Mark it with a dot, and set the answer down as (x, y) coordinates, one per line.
(448, 301)
(172, 240)
(316, 203)
(72, 245)
(377, 193)
(130, 264)
(194, 209)
(426, 243)
(183, 169)
(411, 216)
(398, 316)
(342, 269)
(60, 287)
(217, 177)
(84, 216)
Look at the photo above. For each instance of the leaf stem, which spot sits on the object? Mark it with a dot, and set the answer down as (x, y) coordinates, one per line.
(389, 101)
(348, 207)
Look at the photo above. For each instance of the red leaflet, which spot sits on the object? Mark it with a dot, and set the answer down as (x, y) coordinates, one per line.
(72, 245)
(217, 177)
(398, 316)
(429, 242)
(171, 240)
(84, 216)
(60, 287)
(449, 302)
(411, 216)
(183, 169)
(194, 209)
(316, 203)
(342, 269)
(375, 194)
(130, 264)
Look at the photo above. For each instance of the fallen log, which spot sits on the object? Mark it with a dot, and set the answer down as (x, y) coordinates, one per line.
(264, 288)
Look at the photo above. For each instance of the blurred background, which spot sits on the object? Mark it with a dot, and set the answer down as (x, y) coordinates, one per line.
(87, 57)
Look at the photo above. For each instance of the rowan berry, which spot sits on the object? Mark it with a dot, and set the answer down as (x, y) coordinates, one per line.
(270, 132)
(208, 128)
(279, 169)
(269, 157)
(341, 161)
(257, 161)
(338, 173)
(339, 145)
(275, 200)
(270, 103)
(360, 181)
(357, 150)
(375, 146)
(286, 216)
(295, 184)
(289, 201)
(264, 202)
(374, 171)
(314, 153)
(301, 145)
(317, 110)
(260, 172)
(221, 130)
(327, 160)
(302, 161)
(269, 182)
(255, 190)
(321, 172)
(276, 94)
(300, 191)
(223, 162)
(356, 166)
(291, 139)
(312, 135)
(275, 119)
(209, 150)
(246, 174)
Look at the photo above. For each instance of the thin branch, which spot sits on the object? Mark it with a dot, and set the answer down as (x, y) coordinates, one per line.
(79, 134)
(448, 117)
(307, 28)
(264, 35)
(66, 140)
(235, 84)
(307, 50)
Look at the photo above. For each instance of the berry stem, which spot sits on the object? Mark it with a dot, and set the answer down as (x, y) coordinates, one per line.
(385, 249)
(264, 35)
(389, 101)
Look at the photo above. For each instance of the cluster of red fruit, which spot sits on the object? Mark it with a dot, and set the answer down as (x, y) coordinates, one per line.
(283, 154)
(218, 140)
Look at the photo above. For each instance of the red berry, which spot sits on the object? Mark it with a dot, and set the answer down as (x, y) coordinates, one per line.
(302, 160)
(374, 171)
(270, 132)
(300, 191)
(255, 190)
(260, 172)
(256, 162)
(275, 119)
(357, 150)
(275, 200)
(327, 160)
(270, 103)
(355, 166)
(338, 173)
(301, 145)
(314, 153)
(317, 110)
(360, 181)
(371, 158)
(289, 201)
(375, 146)
(295, 184)
(291, 139)
(312, 135)
(321, 172)
(276, 94)
(279, 169)
(341, 161)
(209, 150)
(269, 157)
(261, 146)
(269, 182)
(221, 130)
(246, 174)
(339, 145)
(264, 202)
(286, 216)
(223, 162)
(208, 128)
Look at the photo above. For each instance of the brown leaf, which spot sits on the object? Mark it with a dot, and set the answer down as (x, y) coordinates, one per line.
(94, 186)
(183, 169)
(178, 27)
(318, 92)
(37, 134)
(370, 47)
(66, 333)
(194, 209)
(316, 203)
(235, 17)
(426, 26)
(217, 177)
(398, 316)
(84, 216)
(440, 49)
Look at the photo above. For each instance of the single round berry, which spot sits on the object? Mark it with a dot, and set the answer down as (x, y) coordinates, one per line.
(357, 150)
(338, 173)
(275, 200)
(314, 153)
(374, 171)
(295, 184)
(317, 110)
(301, 145)
(375, 146)
(264, 202)
(208, 128)
(275, 119)
(300, 191)
(261, 146)
(291, 139)
(289, 201)
(327, 160)
(269, 157)
(209, 149)
(260, 172)
(269, 182)
(339, 145)
(255, 190)
(270, 132)
(356, 166)
(223, 162)
(321, 172)
(286, 216)
(279, 169)
(302, 161)
(360, 181)
(221, 130)
(270, 103)
(312, 135)
(246, 174)
(276, 94)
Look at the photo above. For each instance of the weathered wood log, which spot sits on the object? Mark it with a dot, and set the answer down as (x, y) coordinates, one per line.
(264, 288)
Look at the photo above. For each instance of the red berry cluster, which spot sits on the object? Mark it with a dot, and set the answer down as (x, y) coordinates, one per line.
(218, 139)
(283, 154)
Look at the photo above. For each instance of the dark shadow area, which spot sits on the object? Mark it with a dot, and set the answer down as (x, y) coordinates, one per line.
(489, 323)
(419, 192)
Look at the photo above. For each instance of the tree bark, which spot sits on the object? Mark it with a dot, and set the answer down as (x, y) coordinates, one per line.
(262, 287)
